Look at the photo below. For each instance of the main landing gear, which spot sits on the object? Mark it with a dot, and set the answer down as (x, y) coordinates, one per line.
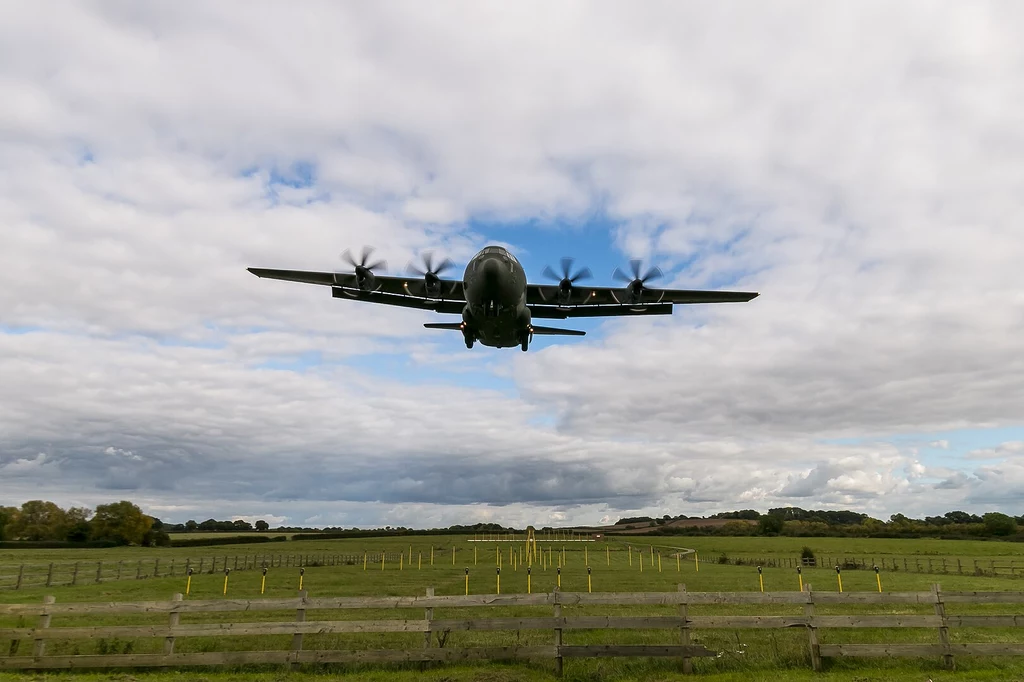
(524, 340)
(468, 336)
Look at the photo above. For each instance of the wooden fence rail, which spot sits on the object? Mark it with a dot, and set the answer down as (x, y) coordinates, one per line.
(171, 630)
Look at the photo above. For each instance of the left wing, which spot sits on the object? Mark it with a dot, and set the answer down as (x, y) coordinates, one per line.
(544, 300)
(405, 292)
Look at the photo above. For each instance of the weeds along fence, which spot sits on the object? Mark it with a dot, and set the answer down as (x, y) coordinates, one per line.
(62, 631)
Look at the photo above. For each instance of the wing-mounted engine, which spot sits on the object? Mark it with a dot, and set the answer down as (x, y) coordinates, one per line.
(567, 280)
(636, 291)
(430, 285)
(365, 279)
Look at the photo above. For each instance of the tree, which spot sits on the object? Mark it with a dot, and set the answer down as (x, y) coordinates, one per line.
(39, 520)
(262, 525)
(77, 527)
(7, 519)
(191, 526)
(999, 524)
(122, 522)
(771, 525)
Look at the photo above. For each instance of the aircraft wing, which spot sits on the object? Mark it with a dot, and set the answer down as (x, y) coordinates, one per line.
(585, 301)
(405, 292)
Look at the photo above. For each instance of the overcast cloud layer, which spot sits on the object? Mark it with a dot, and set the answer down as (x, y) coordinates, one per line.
(859, 165)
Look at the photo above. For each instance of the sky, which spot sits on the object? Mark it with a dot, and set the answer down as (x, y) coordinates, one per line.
(858, 164)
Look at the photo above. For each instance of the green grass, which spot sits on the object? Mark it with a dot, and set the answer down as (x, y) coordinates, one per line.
(765, 653)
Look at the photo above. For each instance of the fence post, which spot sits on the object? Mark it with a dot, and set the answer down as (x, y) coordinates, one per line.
(428, 615)
(558, 630)
(99, 570)
(74, 574)
(940, 611)
(138, 569)
(21, 574)
(156, 568)
(173, 623)
(44, 622)
(812, 631)
(684, 631)
(300, 617)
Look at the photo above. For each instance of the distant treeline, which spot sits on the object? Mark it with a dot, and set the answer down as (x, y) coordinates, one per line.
(797, 522)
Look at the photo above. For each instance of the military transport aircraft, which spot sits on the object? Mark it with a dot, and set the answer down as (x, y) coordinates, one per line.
(497, 304)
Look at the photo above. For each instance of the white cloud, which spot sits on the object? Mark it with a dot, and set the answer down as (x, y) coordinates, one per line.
(861, 171)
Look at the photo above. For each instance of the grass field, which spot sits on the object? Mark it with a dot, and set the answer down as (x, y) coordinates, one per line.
(764, 653)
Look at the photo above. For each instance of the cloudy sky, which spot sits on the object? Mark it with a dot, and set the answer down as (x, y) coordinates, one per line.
(858, 164)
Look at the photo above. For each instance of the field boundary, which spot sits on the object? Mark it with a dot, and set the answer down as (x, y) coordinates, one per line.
(436, 630)
(67, 573)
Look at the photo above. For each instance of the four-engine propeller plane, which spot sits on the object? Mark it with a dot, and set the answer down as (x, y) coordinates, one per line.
(497, 304)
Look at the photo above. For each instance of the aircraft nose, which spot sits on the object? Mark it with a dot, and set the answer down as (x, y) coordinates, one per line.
(491, 272)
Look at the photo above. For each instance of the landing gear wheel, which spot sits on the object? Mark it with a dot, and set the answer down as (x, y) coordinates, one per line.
(469, 342)
(524, 343)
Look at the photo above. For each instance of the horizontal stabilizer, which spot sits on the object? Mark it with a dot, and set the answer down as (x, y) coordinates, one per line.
(454, 326)
(555, 331)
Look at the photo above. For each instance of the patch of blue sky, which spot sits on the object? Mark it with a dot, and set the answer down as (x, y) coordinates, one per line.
(947, 448)
(19, 331)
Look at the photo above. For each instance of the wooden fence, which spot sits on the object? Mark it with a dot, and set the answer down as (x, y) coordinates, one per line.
(436, 630)
(57, 573)
(18, 576)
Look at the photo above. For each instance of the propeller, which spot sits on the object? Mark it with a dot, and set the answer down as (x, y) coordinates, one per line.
(636, 283)
(430, 272)
(364, 268)
(566, 280)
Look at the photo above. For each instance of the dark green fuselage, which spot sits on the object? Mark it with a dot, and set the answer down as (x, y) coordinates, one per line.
(495, 286)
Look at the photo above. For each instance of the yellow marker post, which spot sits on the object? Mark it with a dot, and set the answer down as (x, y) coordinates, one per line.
(800, 577)
(263, 584)
(607, 556)
(419, 561)
(467, 580)
(586, 557)
(401, 562)
(659, 562)
(878, 579)
(226, 571)
(497, 556)
(559, 577)
(498, 588)
(630, 550)
(529, 584)
(188, 583)
(588, 579)
(383, 555)
(302, 574)
(677, 562)
(760, 578)
(453, 555)
(510, 560)
(364, 561)
(652, 554)
(641, 555)
(696, 565)
(563, 555)
(474, 555)
(839, 578)
(431, 555)
(410, 556)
